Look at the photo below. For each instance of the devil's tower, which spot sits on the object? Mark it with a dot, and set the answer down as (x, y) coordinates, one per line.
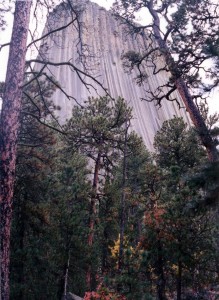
(96, 48)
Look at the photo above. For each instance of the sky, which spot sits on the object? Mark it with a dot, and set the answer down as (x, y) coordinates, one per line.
(6, 34)
(5, 38)
(105, 3)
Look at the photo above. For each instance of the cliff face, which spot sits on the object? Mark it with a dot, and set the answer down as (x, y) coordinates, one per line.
(104, 41)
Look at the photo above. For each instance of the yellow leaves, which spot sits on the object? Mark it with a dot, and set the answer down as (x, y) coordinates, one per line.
(115, 249)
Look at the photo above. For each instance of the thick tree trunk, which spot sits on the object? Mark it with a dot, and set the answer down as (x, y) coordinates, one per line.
(182, 88)
(197, 120)
(93, 214)
(9, 131)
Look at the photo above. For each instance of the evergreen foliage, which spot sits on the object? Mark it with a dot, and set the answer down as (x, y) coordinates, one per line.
(73, 204)
(184, 34)
(169, 244)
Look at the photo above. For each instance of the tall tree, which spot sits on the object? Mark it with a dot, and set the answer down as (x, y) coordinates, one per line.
(50, 190)
(49, 231)
(180, 43)
(97, 131)
(139, 178)
(9, 131)
(11, 106)
(34, 161)
(181, 234)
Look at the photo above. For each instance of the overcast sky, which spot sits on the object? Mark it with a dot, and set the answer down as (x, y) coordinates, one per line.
(5, 38)
(6, 34)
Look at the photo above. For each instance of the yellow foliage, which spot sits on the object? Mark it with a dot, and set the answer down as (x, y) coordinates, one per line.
(115, 249)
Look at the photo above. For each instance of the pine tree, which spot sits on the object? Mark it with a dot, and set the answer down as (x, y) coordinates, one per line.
(182, 234)
(96, 130)
(31, 215)
(9, 131)
(130, 279)
(181, 45)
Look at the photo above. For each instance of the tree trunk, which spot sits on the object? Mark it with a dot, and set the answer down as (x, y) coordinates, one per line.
(105, 253)
(21, 233)
(9, 131)
(66, 277)
(122, 205)
(179, 280)
(161, 282)
(182, 88)
(93, 214)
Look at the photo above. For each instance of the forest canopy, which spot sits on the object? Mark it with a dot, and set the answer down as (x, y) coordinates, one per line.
(93, 210)
(97, 213)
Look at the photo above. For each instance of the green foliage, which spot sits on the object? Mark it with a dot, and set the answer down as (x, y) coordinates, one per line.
(49, 228)
(69, 203)
(98, 127)
(168, 239)
(169, 243)
(51, 190)
(188, 31)
(177, 146)
(184, 235)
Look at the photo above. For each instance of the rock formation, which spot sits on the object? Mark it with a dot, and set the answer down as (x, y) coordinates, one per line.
(102, 42)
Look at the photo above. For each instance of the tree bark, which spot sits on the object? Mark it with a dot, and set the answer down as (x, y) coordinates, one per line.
(179, 280)
(183, 90)
(161, 282)
(122, 205)
(93, 214)
(66, 277)
(9, 131)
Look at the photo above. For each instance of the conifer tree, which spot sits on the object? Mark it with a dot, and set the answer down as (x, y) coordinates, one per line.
(96, 130)
(191, 27)
(51, 188)
(181, 234)
(9, 132)
(33, 165)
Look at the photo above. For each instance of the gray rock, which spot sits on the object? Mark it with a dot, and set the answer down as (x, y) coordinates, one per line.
(107, 40)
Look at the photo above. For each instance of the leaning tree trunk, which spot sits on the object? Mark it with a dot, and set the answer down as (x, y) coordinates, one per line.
(183, 90)
(9, 131)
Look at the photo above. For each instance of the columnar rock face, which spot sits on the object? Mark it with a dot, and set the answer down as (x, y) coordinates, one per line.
(102, 41)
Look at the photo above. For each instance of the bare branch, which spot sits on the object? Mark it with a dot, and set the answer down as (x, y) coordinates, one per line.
(51, 32)
(4, 45)
(79, 72)
(44, 123)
